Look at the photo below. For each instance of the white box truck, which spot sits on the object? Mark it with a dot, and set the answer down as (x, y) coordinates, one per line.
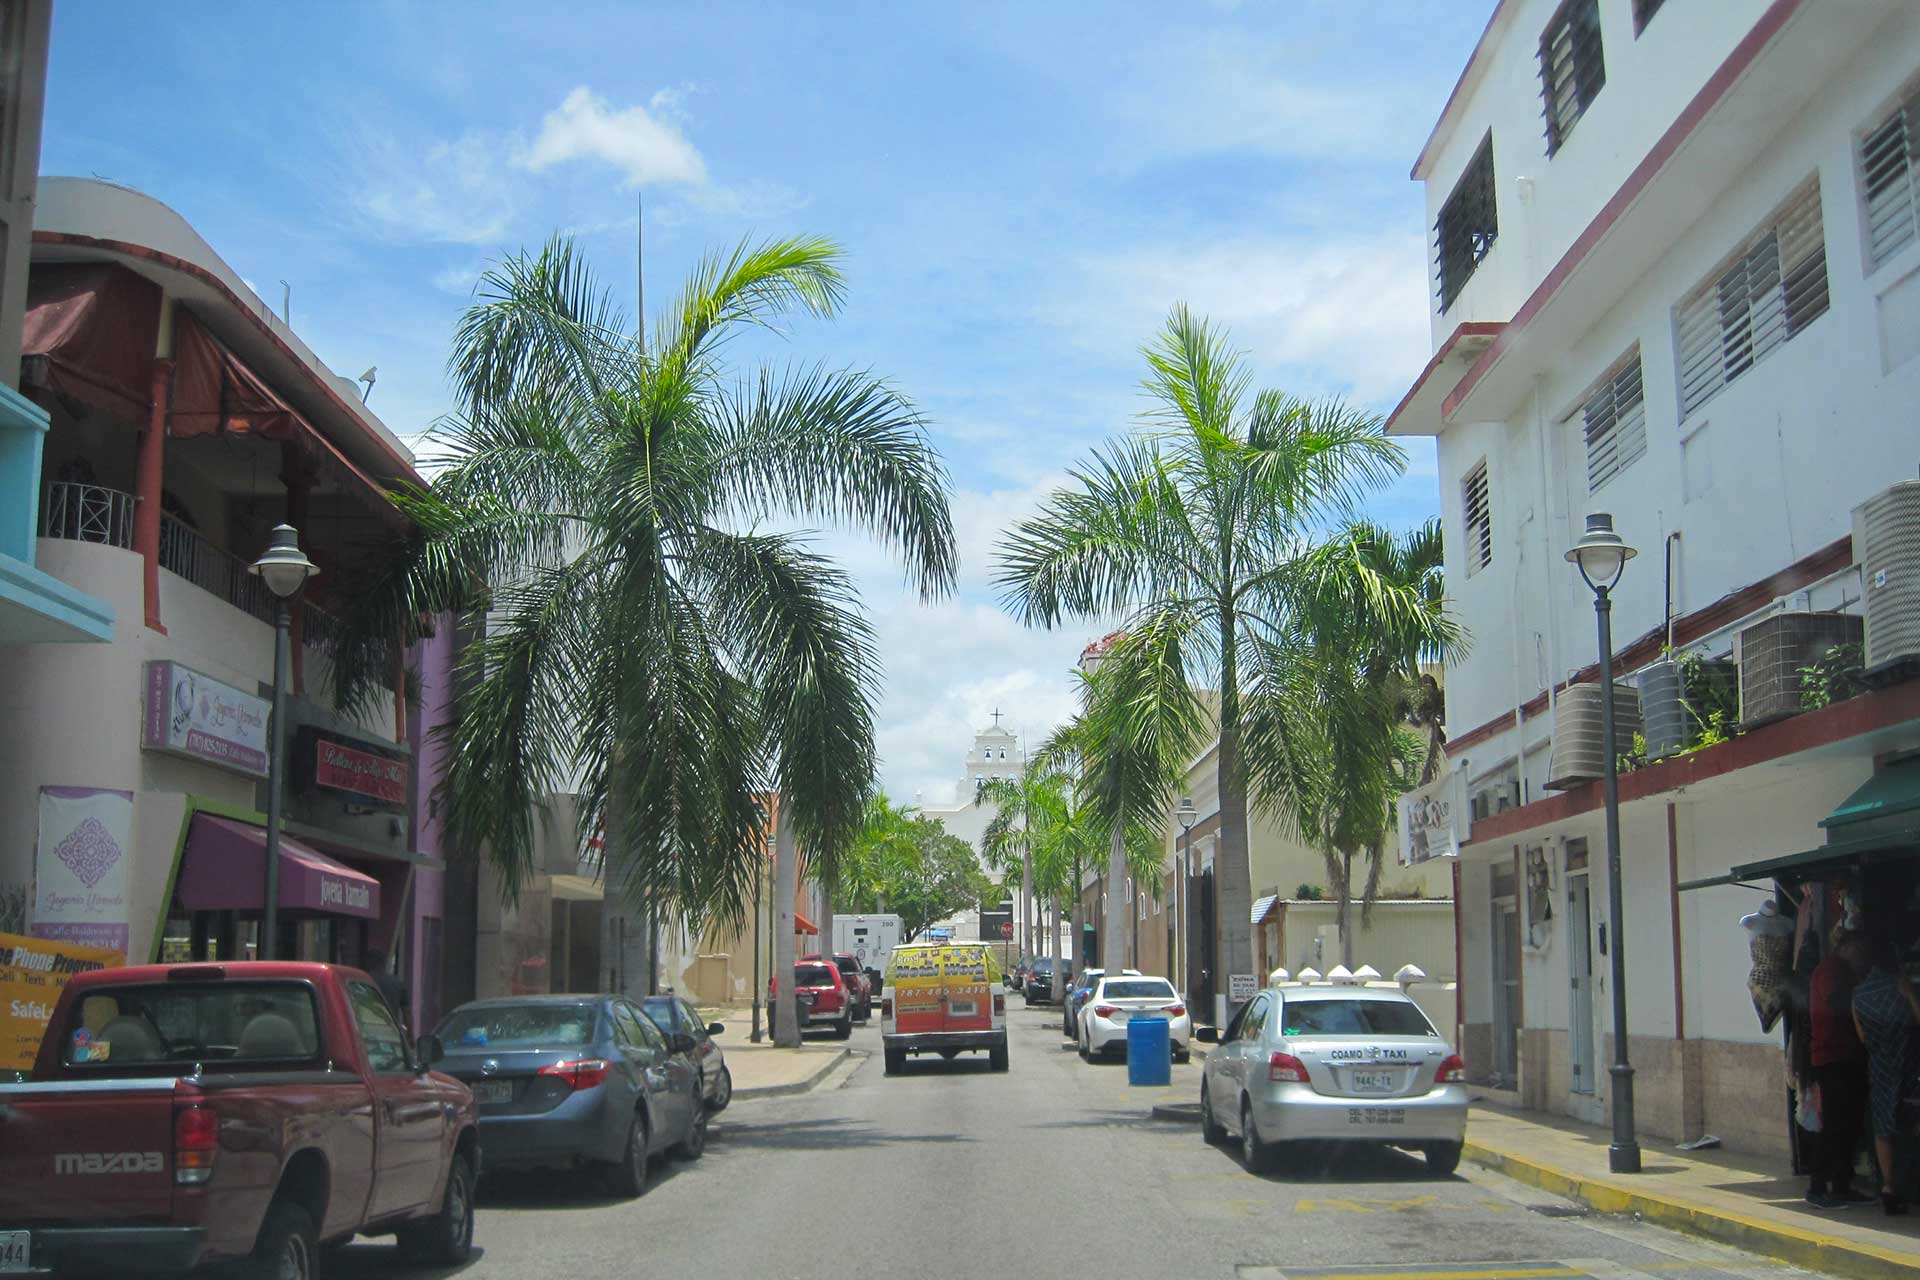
(870, 940)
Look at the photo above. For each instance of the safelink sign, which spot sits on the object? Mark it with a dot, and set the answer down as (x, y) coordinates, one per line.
(191, 714)
(80, 867)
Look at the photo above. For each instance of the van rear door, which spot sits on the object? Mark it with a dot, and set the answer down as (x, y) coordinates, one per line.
(967, 986)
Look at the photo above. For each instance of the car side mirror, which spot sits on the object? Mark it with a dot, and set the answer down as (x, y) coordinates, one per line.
(683, 1043)
(428, 1050)
(715, 1028)
(1207, 1035)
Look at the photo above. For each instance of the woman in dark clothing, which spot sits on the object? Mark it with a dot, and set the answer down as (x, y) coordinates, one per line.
(1885, 1009)
(1839, 1070)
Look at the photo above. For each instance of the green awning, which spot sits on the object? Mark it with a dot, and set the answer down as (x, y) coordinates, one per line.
(1832, 856)
(1890, 791)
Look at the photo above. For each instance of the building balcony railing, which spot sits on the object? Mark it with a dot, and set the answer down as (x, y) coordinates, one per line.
(97, 514)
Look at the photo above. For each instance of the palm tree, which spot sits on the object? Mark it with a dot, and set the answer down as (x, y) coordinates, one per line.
(1007, 839)
(648, 643)
(1187, 531)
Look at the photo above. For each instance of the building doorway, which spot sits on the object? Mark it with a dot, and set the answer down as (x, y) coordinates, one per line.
(1580, 1015)
(1505, 1072)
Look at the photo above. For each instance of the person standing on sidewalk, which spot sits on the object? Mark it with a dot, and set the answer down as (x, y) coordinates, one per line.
(1885, 1009)
(1840, 1071)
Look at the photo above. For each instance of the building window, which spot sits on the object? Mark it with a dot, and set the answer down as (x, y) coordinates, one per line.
(1615, 422)
(1572, 67)
(1643, 11)
(1468, 224)
(1774, 286)
(1887, 165)
(1479, 519)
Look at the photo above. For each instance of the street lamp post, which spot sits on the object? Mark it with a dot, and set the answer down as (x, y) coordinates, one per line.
(285, 569)
(1185, 815)
(759, 869)
(1601, 555)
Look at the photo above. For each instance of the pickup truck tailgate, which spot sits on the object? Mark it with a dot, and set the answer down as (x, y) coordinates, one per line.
(79, 1150)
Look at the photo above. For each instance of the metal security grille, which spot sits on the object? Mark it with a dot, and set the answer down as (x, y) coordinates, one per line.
(1572, 67)
(1479, 519)
(1887, 165)
(1615, 418)
(1774, 286)
(1468, 224)
(1643, 11)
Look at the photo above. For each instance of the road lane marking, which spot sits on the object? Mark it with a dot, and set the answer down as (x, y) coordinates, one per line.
(1542, 1271)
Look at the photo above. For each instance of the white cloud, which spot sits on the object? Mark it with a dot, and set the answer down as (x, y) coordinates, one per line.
(633, 141)
(459, 279)
(453, 192)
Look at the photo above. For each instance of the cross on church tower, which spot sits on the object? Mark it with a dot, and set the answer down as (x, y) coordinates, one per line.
(996, 718)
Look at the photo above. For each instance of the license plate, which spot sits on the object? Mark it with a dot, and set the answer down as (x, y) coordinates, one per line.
(1375, 1081)
(1371, 1117)
(963, 1009)
(16, 1248)
(493, 1091)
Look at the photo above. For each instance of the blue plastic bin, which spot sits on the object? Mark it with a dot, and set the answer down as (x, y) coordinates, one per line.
(1149, 1052)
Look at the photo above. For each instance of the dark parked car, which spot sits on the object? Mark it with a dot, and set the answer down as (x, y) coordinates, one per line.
(578, 1080)
(1039, 984)
(674, 1016)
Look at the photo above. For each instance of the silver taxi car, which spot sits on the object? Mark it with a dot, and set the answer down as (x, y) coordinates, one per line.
(1343, 1062)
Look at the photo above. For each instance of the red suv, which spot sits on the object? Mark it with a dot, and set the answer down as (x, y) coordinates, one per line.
(823, 998)
(859, 985)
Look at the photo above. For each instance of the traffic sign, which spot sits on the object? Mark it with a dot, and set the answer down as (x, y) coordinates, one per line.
(1006, 928)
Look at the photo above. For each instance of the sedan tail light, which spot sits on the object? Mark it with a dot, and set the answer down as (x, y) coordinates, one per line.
(1453, 1070)
(196, 1138)
(584, 1073)
(1104, 1011)
(1175, 1011)
(1284, 1068)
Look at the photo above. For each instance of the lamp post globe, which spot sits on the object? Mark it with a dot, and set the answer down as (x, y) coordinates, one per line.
(1601, 555)
(285, 569)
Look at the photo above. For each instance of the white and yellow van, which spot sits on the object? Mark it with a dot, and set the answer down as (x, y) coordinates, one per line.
(943, 997)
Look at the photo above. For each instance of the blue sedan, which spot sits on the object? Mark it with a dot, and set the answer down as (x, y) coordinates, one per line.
(576, 1081)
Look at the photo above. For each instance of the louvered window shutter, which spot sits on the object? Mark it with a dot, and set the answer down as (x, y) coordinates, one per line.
(1615, 420)
(1887, 164)
(1479, 519)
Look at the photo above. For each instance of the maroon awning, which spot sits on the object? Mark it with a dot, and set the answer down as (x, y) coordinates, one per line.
(223, 869)
(89, 335)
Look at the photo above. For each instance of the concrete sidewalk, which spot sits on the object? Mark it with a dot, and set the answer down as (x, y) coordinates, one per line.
(764, 1071)
(1745, 1201)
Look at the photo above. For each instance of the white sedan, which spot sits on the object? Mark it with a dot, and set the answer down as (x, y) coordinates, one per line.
(1116, 1001)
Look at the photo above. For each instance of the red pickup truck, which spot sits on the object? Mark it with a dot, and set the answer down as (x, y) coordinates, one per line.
(246, 1113)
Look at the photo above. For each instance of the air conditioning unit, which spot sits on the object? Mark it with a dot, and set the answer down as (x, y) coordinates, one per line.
(1579, 748)
(1506, 796)
(1771, 653)
(1886, 546)
(1670, 722)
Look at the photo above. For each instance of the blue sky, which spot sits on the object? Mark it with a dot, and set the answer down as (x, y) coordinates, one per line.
(1022, 191)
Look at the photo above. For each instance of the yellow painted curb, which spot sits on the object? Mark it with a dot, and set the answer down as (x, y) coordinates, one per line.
(1800, 1247)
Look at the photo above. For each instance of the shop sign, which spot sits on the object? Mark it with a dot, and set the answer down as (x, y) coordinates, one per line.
(1241, 987)
(32, 973)
(368, 775)
(1433, 820)
(192, 714)
(80, 865)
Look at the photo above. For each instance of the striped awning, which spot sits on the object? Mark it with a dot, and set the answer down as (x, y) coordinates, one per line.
(1262, 907)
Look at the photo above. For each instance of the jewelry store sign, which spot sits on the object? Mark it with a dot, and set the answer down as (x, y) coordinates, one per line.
(191, 714)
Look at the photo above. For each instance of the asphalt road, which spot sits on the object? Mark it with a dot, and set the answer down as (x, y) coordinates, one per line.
(1053, 1169)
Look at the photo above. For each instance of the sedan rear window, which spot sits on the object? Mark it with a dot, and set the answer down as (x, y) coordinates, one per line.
(1138, 990)
(813, 975)
(214, 1023)
(1337, 1017)
(519, 1026)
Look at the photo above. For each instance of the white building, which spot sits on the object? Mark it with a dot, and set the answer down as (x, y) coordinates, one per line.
(1680, 284)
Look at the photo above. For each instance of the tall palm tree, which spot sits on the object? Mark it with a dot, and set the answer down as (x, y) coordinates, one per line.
(1186, 531)
(648, 643)
(1007, 839)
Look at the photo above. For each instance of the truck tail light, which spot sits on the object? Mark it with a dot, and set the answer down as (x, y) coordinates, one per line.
(1175, 1011)
(1284, 1068)
(583, 1073)
(1104, 1010)
(886, 1006)
(1453, 1070)
(196, 1139)
(999, 1004)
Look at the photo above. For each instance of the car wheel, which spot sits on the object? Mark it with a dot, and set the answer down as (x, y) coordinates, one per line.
(1443, 1158)
(285, 1249)
(896, 1060)
(1086, 1052)
(630, 1174)
(446, 1238)
(843, 1028)
(1211, 1130)
(1183, 1056)
(723, 1094)
(1254, 1152)
(997, 1057)
(694, 1144)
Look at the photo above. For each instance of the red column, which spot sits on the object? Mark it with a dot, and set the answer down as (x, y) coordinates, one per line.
(148, 468)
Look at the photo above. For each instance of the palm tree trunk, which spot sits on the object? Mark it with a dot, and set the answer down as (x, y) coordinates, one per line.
(784, 1008)
(1233, 875)
(1113, 949)
(1026, 902)
(1077, 920)
(1346, 908)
